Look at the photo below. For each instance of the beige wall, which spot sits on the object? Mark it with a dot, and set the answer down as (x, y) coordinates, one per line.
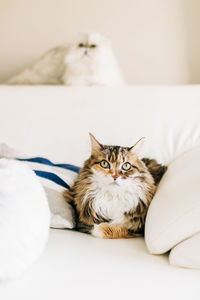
(156, 41)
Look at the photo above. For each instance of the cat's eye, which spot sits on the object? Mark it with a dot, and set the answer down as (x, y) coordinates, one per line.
(126, 166)
(81, 45)
(93, 46)
(105, 164)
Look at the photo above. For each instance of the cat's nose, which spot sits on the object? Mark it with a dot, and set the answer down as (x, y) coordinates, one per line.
(115, 177)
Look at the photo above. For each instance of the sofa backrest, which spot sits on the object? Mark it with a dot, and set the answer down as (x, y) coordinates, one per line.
(54, 121)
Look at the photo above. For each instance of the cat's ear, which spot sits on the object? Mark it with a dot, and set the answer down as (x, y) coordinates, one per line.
(138, 146)
(96, 146)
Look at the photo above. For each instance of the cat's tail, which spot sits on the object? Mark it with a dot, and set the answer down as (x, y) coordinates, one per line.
(157, 170)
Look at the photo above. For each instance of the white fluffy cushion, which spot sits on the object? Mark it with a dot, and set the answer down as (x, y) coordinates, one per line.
(174, 214)
(187, 253)
(24, 218)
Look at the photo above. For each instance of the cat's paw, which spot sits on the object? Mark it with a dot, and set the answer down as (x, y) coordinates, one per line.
(96, 231)
(111, 231)
(106, 231)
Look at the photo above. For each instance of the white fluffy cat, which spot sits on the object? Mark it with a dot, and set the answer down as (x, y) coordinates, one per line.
(47, 70)
(89, 61)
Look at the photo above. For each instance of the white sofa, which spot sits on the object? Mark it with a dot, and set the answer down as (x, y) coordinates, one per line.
(54, 122)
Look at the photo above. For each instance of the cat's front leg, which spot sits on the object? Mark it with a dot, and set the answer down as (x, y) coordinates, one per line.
(111, 231)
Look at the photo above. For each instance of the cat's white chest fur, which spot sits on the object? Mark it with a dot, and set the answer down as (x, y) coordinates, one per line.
(112, 200)
(82, 72)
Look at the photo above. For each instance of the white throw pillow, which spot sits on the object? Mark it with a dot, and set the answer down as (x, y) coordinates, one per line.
(187, 253)
(24, 218)
(174, 214)
(55, 178)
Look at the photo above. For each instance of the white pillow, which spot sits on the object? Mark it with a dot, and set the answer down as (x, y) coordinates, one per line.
(24, 218)
(174, 214)
(55, 178)
(187, 253)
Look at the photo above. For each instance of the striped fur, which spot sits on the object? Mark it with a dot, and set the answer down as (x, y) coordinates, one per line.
(110, 200)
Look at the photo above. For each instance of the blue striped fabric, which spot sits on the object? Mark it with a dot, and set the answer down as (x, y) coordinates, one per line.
(46, 161)
(51, 176)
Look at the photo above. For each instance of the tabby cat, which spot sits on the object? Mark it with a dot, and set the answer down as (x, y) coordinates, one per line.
(114, 190)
